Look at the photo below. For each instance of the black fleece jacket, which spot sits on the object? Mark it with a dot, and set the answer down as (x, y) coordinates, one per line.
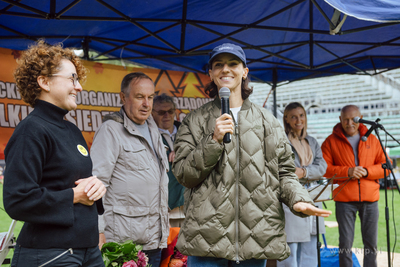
(44, 157)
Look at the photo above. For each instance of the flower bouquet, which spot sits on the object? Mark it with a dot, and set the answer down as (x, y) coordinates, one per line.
(127, 254)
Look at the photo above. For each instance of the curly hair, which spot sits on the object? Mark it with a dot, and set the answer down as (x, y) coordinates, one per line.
(212, 90)
(42, 59)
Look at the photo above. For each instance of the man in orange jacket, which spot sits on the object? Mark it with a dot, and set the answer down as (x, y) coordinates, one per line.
(346, 156)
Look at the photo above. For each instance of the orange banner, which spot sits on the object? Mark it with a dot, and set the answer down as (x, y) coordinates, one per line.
(99, 97)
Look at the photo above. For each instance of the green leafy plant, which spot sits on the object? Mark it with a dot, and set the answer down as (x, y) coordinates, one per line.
(120, 255)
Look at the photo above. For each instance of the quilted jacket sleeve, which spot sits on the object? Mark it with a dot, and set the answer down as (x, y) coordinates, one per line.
(196, 152)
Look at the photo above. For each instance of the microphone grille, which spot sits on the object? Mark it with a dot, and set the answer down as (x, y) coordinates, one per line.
(356, 119)
(224, 92)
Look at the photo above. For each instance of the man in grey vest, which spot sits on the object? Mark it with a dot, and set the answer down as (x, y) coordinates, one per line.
(129, 158)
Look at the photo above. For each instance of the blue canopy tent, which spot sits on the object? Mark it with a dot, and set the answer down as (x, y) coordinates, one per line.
(292, 37)
(378, 10)
(284, 40)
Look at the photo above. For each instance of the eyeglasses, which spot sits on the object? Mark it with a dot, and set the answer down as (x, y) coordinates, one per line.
(162, 112)
(74, 78)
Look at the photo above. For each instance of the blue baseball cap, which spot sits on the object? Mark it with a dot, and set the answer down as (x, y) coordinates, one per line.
(230, 49)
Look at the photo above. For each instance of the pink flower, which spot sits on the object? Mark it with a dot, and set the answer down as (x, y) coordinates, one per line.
(129, 264)
(142, 259)
(179, 255)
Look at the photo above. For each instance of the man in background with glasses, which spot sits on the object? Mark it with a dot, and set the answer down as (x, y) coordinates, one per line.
(164, 115)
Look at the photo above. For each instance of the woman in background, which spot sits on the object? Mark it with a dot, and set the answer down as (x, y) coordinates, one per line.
(301, 232)
(48, 181)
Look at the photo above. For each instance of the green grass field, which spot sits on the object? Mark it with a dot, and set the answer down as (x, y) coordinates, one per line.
(332, 235)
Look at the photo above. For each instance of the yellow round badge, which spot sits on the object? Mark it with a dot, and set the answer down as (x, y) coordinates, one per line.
(82, 150)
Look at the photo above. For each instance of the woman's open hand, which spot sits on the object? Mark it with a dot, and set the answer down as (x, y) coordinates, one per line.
(309, 209)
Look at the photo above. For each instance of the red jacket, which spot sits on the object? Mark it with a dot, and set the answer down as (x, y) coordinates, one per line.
(339, 156)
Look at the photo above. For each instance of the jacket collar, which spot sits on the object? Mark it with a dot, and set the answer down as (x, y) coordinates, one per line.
(246, 103)
(129, 125)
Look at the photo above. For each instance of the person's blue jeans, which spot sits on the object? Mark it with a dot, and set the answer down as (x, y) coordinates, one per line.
(154, 256)
(194, 261)
(346, 213)
(57, 257)
(302, 254)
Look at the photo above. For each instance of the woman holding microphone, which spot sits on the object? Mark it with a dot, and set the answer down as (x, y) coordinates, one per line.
(232, 201)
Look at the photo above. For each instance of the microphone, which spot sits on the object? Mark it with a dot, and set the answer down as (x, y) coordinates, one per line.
(365, 137)
(224, 94)
(374, 125)
(358, 120)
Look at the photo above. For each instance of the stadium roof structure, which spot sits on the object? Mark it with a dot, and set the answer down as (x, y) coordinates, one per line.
(283, 40)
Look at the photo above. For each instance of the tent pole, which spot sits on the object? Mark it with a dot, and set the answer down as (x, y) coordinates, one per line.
(85, 47)
(274, 82)
(311, 51)
(183, 27)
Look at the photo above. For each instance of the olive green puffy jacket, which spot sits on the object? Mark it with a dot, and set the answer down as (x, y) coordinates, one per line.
(232, 203)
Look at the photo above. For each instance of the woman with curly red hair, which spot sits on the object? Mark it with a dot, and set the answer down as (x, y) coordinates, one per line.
(48, 181)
